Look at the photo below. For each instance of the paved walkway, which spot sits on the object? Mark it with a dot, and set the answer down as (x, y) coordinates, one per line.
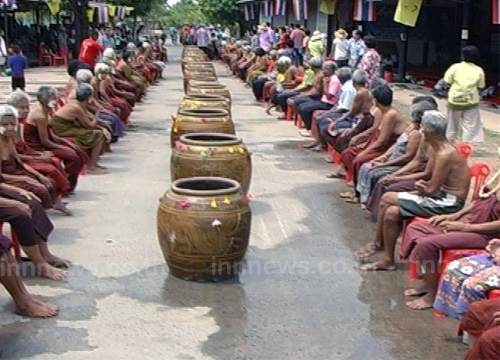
(299, 295)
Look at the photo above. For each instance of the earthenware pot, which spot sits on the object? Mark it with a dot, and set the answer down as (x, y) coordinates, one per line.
(211, 154)
(200, 121)
(203, 228)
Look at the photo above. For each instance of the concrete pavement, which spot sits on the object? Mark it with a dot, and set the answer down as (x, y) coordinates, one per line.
(299, 295)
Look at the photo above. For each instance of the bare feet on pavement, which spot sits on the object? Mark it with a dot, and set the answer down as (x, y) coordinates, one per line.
(36, 308)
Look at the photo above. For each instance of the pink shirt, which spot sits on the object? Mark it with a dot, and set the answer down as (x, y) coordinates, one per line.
(297, 35)
(334, 87)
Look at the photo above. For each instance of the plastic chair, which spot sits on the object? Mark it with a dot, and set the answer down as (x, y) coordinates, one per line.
(42, 56)
(289, 113)
(62, 58)
(479, 172)
(15, 244)
(465, 149)
(494, 294)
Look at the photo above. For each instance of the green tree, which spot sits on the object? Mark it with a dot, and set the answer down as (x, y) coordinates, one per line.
(224, 12)
(183, 12)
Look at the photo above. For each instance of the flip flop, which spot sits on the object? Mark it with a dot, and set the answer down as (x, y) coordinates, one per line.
(335, 176)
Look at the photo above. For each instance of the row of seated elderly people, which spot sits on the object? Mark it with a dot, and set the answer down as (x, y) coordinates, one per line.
(399, 171)
(45, 147)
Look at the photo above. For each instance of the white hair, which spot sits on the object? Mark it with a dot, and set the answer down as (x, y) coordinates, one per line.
(102, 68)
(109, 53)
(14, 97)
(435, 121)
(7, 110)
(84, 76)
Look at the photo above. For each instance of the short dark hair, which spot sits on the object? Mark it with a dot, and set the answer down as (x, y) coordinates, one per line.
(268, 23)
(383, 94)
(75, 65)
(260, 51)
(308, 32)
(359, 33)
(16, 49)
(471, 54)
(427, 98)
(94, 34)
(290, 43)
(370, 42)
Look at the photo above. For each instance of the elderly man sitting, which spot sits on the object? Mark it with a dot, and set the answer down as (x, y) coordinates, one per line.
(330, 98)
(348, 92)
(444, 193)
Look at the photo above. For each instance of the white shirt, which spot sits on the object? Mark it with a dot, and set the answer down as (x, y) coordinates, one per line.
(340, 49)
(347, 94)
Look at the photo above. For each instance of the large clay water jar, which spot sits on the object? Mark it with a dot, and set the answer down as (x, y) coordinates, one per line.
(204, 65)
(198, 76)
(200, 121)
(203, 228)
(204, 101)
(200, 87)
(214, 155)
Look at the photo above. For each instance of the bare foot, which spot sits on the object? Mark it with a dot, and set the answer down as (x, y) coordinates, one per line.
(58, 262)
(346, 195)
(367, 251)
(352, 200)
(50, 272)
(368, 214)
(378, 266)
(268, 111)
(60, 206)
(416, 292)
(96, 171)
(423, 303)
(36, 308)
(101, 167)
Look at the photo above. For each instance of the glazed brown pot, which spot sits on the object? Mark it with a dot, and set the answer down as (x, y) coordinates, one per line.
(215, 155)
(200, 121)
(194, 65)
(198, 76)
(204, 101)
(203, 228)
(200, 87)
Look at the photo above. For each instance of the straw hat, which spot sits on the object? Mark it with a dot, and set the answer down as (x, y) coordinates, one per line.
(341, 33)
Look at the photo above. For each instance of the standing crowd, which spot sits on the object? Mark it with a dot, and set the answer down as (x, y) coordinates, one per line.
(408, 176)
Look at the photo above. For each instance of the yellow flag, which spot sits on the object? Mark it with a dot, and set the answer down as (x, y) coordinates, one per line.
(90, 13)
(328, 6)
(129, 9)
(112, 10)
(54, 6)
(407, 12)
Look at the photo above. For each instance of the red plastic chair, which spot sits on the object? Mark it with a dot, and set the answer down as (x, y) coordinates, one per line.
(479, 172)
(494, 294)
(15, 244)
(44, 56)
(63, 58)
(289, 113)
(465, 149)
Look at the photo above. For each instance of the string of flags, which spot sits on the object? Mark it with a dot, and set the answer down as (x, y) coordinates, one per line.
(10, 4)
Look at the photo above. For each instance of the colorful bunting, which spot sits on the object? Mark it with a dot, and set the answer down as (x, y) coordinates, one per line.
(54, 6)
(300, 9)
(280, 7)
(328, 6)
(495, 4)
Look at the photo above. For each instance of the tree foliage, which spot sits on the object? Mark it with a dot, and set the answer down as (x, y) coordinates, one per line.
(183, 12)
(141, 7)
(223, 12)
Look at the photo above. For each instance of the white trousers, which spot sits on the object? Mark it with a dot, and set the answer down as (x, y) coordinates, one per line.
(469, 120)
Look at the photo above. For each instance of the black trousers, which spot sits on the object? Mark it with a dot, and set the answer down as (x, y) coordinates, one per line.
(18, 83)
(258, 87)
(307, 108)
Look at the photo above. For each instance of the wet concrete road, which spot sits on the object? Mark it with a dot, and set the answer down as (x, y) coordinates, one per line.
(299, 295)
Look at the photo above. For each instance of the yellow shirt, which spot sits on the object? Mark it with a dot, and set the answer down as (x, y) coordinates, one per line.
(307, 80)
(280, 77)
(465, 79)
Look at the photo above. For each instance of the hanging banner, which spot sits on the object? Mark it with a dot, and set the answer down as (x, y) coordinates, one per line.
(495, 4)
(112, 10)
(266, 8)
(364, 11)
(120, 12)
(102, 14)
(407, 12)
(129, 9)
(248, 12)
(328, 6)
(280, 7)
(54, 6)
(300, 10)
(11, 4)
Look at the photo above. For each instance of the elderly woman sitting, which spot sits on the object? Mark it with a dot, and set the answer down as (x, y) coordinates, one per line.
(108, 120)
(398, 155)
(74, 121)
(469, 279)
(445, 193)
